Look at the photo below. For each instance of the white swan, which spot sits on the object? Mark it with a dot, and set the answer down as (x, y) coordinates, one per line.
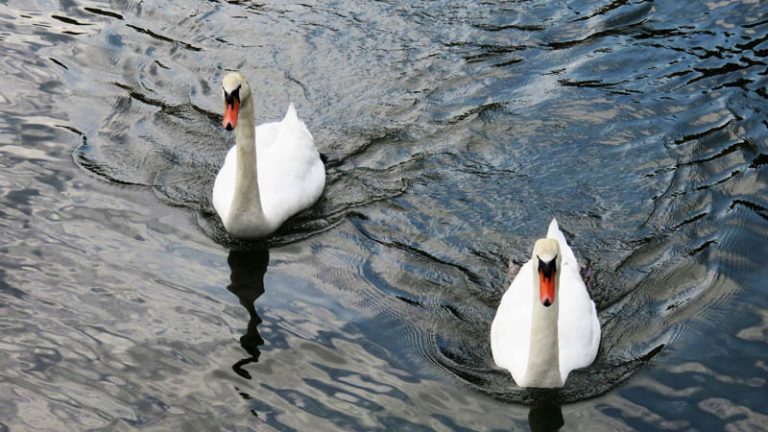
(546, 325)
(271, 173)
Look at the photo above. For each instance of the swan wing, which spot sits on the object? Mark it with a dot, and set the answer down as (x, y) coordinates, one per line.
(578, 326)
(224, 185)
(291, 173)
(511, 327)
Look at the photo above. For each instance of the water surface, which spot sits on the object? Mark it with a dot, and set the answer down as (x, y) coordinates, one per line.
(454, 132)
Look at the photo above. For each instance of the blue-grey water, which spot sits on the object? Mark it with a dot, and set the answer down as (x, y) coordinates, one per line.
(453, 131)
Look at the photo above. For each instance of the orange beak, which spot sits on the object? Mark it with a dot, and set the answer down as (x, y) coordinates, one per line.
(547, 289)
(230, 115)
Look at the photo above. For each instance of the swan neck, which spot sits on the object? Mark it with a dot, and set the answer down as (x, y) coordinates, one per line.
(247, 200)
(543, 368)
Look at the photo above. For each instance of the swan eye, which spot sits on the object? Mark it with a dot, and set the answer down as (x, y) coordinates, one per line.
(229, 98)
(547, 269)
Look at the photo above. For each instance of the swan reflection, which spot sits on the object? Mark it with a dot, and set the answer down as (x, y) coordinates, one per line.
(545, 418)
(247, 283)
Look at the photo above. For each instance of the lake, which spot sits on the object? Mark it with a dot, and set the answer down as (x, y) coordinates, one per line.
(453, 133)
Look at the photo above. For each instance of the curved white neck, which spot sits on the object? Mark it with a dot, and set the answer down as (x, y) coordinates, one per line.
(246, 203)
(543, 368)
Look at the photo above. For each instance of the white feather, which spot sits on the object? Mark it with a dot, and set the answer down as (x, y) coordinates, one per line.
(291, 175)
(578, 326)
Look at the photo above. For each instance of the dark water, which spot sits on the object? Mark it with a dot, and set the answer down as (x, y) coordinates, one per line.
(453, 132)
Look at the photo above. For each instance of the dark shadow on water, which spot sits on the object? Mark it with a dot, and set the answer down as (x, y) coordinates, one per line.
(247, 283)
(545, 418)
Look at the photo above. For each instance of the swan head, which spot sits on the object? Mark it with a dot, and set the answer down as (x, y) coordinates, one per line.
(546, 256)
(236, 90)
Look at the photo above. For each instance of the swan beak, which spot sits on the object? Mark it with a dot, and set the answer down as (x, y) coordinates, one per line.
(547, 288)
(230, 114)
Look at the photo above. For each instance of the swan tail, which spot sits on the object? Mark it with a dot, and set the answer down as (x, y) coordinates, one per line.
(554, 233)
(291, 113)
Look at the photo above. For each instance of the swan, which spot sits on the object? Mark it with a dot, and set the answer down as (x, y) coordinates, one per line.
(546, 324)
(271, 173)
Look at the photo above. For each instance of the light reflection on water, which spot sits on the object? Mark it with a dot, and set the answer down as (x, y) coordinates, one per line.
(453, 133)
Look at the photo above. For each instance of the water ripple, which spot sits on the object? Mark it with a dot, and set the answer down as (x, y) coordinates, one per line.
(452, 133)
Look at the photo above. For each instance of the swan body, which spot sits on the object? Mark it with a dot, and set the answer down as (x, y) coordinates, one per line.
(271, 173)
(546, 324)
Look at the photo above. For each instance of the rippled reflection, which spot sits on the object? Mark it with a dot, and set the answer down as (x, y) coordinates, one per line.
(247, 283)
(545, 418)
